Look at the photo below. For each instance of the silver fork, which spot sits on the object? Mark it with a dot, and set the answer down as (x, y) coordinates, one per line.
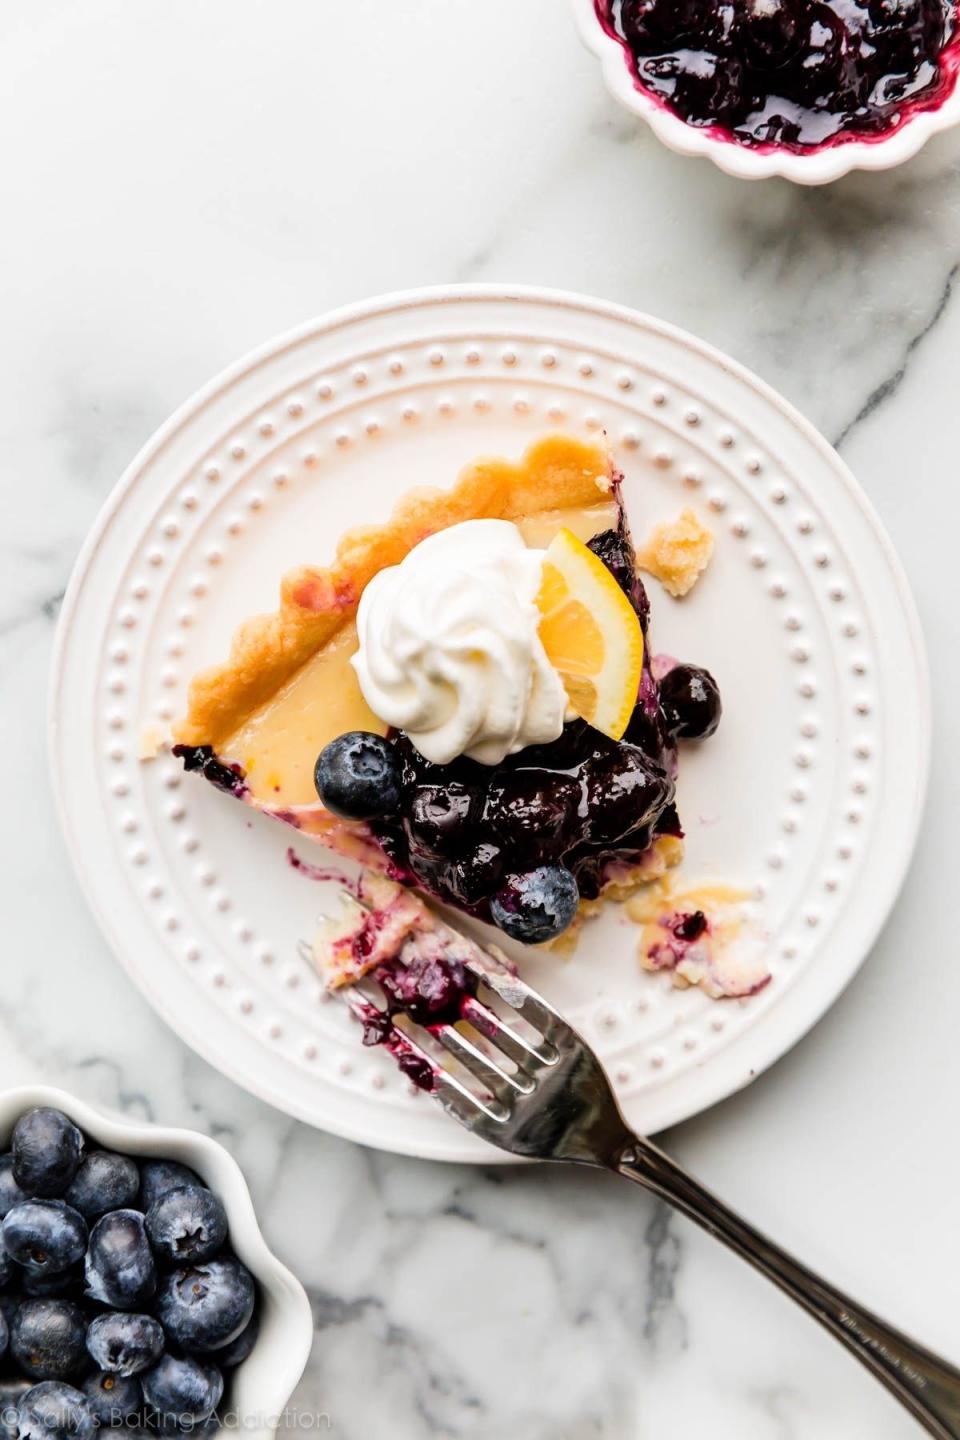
(553, 1101)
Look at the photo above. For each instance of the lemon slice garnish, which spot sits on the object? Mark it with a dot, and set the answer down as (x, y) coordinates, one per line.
(591, 634)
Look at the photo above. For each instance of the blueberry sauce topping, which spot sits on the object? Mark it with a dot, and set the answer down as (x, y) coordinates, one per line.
(432, 990)
(469, 833)
(522, 842)
(792, 74)
(202, 757)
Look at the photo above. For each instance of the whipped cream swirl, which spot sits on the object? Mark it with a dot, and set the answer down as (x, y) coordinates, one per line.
(450, 650)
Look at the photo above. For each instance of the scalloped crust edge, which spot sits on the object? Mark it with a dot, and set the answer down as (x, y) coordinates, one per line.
(555, 473)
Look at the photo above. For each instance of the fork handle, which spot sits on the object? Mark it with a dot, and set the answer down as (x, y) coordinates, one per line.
(924, 1383)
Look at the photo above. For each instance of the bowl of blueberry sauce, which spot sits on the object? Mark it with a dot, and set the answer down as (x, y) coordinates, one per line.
(137, 1293)
(806, 89)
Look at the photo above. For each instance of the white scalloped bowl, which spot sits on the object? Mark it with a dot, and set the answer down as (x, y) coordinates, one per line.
(259, 1389)
(819, 168)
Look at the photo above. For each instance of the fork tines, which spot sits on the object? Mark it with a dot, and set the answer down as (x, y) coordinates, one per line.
(502, 1062)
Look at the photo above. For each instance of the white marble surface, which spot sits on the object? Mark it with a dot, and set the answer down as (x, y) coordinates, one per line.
(181, 181)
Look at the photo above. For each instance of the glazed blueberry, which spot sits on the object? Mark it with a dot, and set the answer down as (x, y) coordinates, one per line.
(159, 1177)
(201, 757)
(536, 906)
(187, 1226)
(478, 874)
(690, 701)
(441, 817)
(532, 814)
(181, 1389)
(46, 1150)
(125, 1344)
(44, 1235)
(48, 1339)
(104, 1182)
(614, 548)
(206, 1306)
(624, 793)
(120, 1268)
(55, 1411)
(112, 1398)
(771, 31)
(10, 1192)
(237, 1351)
(12, 1392)
(358, 776)
(690, 926)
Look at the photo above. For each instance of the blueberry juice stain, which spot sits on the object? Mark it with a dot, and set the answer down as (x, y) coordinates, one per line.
(431, 991)
(799, 75)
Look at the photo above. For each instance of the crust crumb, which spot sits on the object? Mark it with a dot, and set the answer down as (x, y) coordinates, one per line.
(154, 737)
(677, 553)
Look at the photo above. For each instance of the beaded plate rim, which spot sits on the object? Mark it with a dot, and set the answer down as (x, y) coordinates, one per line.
(423, 311)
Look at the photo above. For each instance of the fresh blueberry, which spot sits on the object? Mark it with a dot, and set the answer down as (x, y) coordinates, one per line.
(202, 1429)
(44, 1235)
(187, 1226)
(120, 1268)
(159, 1177)
(690, 701)
(54, 1411)
(182, 1389)
(536, 906)
(104, 1182)
(237, 1351)
(113, 1399)
(8, 1268)
(12, 1392)
(4, 1335)
(46, 1147)
(206, 1306)
(358, 776)
(10, 1303)
(10, 1192)
(56, 1284)
(125, 1344)
(48, 1339)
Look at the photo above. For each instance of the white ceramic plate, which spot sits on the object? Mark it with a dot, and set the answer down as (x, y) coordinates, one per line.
(809, 796)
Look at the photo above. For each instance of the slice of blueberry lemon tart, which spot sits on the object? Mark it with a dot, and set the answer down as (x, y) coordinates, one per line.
(466, 701)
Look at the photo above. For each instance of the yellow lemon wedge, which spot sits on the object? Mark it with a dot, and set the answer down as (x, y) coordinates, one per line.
(591, 634)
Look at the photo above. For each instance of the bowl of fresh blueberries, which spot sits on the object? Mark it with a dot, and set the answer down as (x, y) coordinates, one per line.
(137, 1293)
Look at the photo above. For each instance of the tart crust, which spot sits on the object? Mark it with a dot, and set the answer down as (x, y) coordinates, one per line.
(557, 473)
